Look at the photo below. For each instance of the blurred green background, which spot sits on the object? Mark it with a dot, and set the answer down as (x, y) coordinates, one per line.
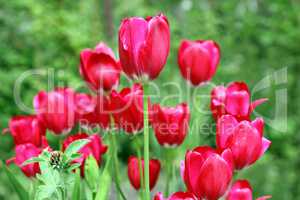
(260, 40)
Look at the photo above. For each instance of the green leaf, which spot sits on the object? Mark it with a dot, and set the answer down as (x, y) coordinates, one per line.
(21, 191)
(33, 160)
(73, 166)
(105, 178)
(75, 146)
(76, 194)
(91, 172)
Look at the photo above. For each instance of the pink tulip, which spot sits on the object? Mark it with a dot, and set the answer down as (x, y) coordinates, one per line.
(134, 172)
(127, 108)
(198, 60)
(99, 68)
(170, 124)
(176, 196)
(245, 139)
(234, 100)
(207, 174)
(144, 46)
(95, 147)
(241, 190)
(27, 129)
(56, 109)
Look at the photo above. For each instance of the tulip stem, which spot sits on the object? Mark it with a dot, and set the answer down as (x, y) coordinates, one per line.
(146, 142)
(169, 158)
(114, 155)
(142, 192)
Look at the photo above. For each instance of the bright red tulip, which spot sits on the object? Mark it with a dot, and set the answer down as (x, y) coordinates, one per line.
(99, 68)
(27, 129)
(127, 108)
(23, 153)
(92, 111)
(56, 109)
(134, 172)
(241, 190)
(144, 46)
(176, 196)
(198, 60)
(245, 139)
(95, 147)
(207, 174)
(233, 100)
(170, 124)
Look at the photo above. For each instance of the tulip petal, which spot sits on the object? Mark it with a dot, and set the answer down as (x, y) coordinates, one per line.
(225, 128)
(264, 197)
(258, 123)
(241, 189)
(256, 103)
(265, 145)
(237, 103)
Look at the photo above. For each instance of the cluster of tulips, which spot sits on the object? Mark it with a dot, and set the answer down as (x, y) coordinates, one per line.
(143, 50)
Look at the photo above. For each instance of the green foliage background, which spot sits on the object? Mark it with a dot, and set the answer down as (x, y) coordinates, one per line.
(257, 38)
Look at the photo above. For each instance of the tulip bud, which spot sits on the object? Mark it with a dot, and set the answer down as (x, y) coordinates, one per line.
(127, 108)
(176, 196)
(56, 109)
(198, 60)
(241, 190)
(95, 148)
(170, 124)
(144, 46)
(99, 68)
(27, 129)
(207, 174)
(245, 139)
(234, 100)
(134, 172)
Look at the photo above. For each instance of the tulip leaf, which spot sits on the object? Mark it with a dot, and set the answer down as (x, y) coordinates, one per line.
(76, 194)
(91, 172)
(32, 160)
(75, 146)
(21, 191)
(105, 178)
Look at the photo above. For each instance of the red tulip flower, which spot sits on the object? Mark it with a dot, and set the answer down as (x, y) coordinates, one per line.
(233, 100)
(198, 60)
(207, 174)
(27, 129)
(241, 190)
(127, 108)
(144, 46)
(170, 124)
(99, 68)
(95, 147)
(245, 139)
(56, 109)
(23, 153)
(92, 111)
(176, 196)
(134, 172)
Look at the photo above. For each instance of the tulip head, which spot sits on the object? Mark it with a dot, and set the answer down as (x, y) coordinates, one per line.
(198, 60)
(56, 109)
(144, 46)
(245, 139)
(27, 129)
(176, 196)
(207, 174)
(170, 124)
(99, 68)
(134, 172)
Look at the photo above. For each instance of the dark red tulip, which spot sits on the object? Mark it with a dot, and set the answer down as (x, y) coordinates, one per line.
(207, 174)
(198, 60)
(127, 108)
(176, 196)
(170, 124)
(27, 129)
(245, 139)
(92, 111)
(134, 172)
(144, 46)
(23, 153)
(56, 109)
(234, 100)
(241, 190)
(99, 68)
(95, 147)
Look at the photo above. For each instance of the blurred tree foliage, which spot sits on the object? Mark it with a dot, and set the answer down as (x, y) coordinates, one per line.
(258, 39)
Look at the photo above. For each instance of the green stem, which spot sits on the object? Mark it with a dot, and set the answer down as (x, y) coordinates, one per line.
(169, 168)
(114, 155)
(142, 193)
(146, 142)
